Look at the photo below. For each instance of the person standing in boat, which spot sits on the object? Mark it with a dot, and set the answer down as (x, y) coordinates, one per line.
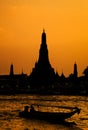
(25, 112)
(32, 109)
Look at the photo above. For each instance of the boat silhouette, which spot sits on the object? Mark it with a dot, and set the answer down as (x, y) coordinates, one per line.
(47, 116)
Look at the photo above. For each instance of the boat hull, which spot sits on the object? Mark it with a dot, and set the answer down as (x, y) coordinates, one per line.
(45, 116)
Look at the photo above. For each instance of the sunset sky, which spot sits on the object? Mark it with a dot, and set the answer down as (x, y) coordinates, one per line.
(66, 26)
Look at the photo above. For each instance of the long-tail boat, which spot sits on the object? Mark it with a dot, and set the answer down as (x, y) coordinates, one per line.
(48, 116)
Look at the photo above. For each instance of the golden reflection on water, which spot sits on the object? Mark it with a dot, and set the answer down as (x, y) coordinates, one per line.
(11, 105)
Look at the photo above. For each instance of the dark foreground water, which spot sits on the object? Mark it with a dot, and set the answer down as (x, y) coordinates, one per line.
(11, 105)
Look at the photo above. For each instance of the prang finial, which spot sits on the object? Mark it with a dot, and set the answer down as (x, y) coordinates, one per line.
(43, 30)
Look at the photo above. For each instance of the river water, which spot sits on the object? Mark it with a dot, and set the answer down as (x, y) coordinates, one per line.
(10, 106)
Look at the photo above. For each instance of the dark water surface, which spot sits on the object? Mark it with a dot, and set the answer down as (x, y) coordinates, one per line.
(11, 105)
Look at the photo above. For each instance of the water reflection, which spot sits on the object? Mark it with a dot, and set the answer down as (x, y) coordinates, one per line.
(11, 105)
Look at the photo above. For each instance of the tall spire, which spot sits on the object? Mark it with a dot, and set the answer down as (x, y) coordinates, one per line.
(43, 53)
(11, 70)
(75, 70)
(43, 37)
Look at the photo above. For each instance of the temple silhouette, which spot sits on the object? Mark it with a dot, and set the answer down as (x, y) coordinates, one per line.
(43, 79)
(42, 74)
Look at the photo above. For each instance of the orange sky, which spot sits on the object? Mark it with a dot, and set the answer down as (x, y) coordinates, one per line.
(66, 26)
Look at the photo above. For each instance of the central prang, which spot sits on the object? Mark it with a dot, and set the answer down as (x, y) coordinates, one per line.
(42, 74)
